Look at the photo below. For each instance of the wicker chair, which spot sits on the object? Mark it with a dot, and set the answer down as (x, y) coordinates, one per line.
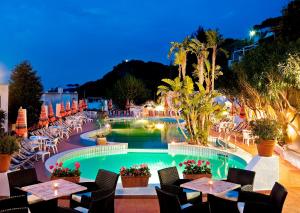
(256, 202)
(170, 182)
(220, 205)
(16, 210)
(105, 182)
(103, 203)
(18, 201)
(243, 177)
(20, 178)
(169, 202)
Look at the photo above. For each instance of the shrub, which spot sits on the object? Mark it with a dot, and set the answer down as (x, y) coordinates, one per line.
(9, 144)
(141, 170)
(266, 129)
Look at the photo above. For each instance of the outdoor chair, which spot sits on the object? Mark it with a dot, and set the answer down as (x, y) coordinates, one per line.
(243, 177)
(220, 205)
(169, 202)
(26, 177)
(106, 182)
(257, 202)
(103, 203)
(18, 201)
(170, 182)
(16, 210)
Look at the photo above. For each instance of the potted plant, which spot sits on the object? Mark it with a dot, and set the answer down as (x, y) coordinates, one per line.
(8, 145)
(193, 170)
(267, 132)
(101, 139)
(60, 172)
(135, 176)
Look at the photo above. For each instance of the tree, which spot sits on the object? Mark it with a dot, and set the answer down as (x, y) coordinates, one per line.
(214, 40)
(130, 88)
(25, 89)
(180, 50)
(268, 83)
(195, 105)
(200, 50)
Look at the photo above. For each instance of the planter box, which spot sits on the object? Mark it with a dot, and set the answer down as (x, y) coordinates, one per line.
(265, 148)
(71, 179)
(196, 176)
(4, 162)
(135, 181)
(101, 141)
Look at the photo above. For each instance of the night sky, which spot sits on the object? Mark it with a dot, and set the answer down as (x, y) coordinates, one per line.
(74, 41)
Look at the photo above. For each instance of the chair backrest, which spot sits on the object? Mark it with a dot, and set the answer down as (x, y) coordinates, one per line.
(104, 204)
(167, 202)
(16, 210)
(168, 176)
(106, 180)
(240, 176)
(21, 178)
(278, 195)
(13, 202)
(217, 205)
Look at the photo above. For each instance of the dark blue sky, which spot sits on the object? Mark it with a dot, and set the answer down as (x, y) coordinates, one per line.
(74, 41)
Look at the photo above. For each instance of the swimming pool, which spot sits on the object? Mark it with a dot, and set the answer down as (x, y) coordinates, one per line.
(152, 133)
(156, 159)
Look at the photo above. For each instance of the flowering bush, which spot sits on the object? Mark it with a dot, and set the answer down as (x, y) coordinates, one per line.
(141, 170)
(191, 167)
(59, 171)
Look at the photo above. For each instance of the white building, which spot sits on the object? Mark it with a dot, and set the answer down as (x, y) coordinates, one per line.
(4, 101)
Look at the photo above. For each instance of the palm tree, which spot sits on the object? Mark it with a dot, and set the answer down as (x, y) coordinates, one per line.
(180, 55)
(200, 50)
(214, 39)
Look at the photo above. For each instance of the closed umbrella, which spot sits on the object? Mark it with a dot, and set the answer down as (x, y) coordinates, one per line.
(62, 110)
(80, 106)
(43, 121)
(84, 105)
(51, 116)
(74, 106)
(110, 104)
(21, 124)
(242, 112)
(68, 108)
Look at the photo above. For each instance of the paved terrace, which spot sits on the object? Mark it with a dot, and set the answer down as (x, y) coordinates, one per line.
(289, 177)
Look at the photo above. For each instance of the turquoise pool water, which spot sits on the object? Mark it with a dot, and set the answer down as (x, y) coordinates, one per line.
(153, 133)
(155, 160)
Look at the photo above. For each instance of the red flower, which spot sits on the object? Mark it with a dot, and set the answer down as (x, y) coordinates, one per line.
(180, 164)
(199, 162)
(207, 163)
(60, 164)
(56, 164)
(193, 161)
(77, 165)
(51, 167)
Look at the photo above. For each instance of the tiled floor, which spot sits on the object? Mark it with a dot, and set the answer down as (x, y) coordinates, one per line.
(289, 177)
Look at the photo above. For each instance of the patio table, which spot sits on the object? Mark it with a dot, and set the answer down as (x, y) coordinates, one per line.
(53, 189)
(215, 187)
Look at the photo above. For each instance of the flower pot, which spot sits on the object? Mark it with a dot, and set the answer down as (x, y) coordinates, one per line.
(101, 141)
(265, 148)
(196, 176)
(4, 162)
(135, 181)
(71, 179)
